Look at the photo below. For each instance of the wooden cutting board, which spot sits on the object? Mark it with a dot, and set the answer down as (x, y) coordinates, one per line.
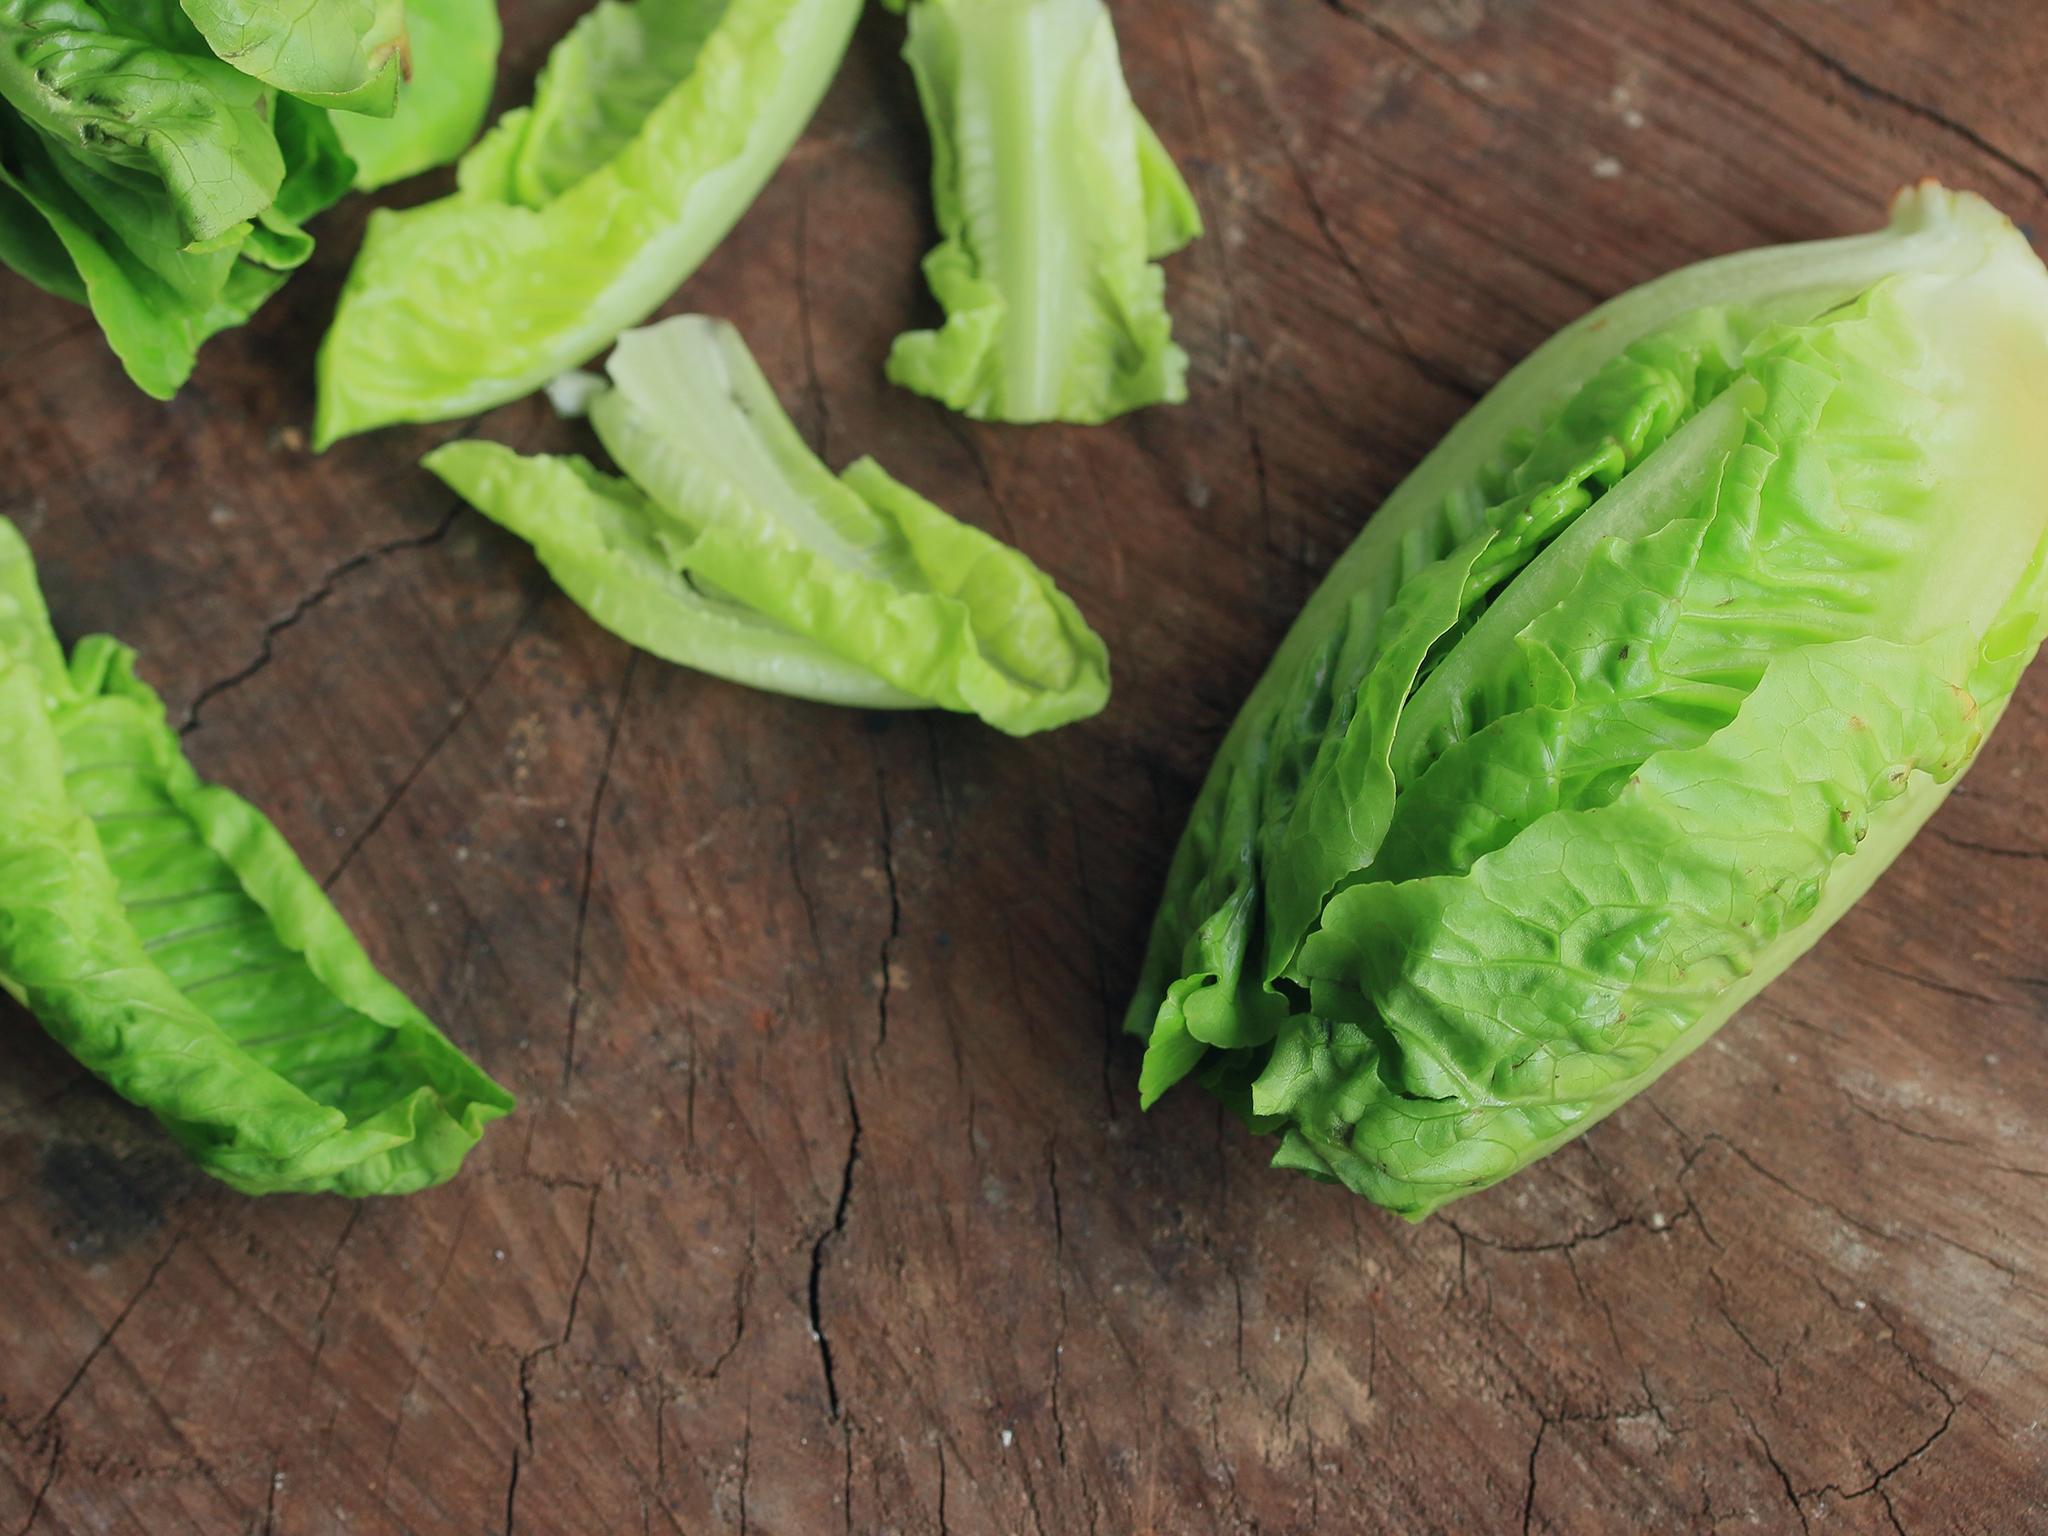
(828, 1206)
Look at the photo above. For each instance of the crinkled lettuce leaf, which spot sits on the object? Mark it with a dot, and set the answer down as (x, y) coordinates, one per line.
(165, 934)
(168, 188)
(157, 298)
(344, 54)
(1055, 200)
(732, 549)
(1619, 702)
(129, 87)
(453, 45)
(655, 127)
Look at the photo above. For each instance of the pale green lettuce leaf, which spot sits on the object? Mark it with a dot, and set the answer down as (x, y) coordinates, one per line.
(547, 252)
(454, 49)
(1428, 922)
(165, 934)
(734, 549)
(1053, 198)
(345, 54)
(600, 86)
(595, 533)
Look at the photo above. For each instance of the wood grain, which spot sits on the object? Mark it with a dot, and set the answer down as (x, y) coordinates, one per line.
(828, 1206)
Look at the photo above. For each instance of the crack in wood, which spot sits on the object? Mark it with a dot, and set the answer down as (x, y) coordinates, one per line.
(1865, 86)
(464, 708)
(107, 1334)
(837, 1226)
(328, 585)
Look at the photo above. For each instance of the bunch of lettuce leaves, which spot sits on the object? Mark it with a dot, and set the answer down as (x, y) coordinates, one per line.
(730, 548)
(652, 128)
(166, 935)
(1055, 201)
(1623, 698)
(160, 163)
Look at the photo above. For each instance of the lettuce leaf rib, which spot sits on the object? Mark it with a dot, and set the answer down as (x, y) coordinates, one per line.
(568, 227)
(733, 549)
(1054, 199)
(1432, 918)
(163, 931)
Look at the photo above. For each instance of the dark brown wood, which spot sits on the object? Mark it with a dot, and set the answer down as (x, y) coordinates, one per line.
(828, 1206)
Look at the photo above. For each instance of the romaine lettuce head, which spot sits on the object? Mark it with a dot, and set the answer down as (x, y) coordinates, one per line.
(1632, 688)
(733, 549)
(165, 934)
(651, 130)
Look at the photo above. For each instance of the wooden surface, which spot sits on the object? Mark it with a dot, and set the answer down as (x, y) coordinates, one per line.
(828, 1206)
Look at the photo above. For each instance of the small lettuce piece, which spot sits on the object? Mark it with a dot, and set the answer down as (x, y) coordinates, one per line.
(123, 251)
(1054, 200)
(164, 933)
(128, 85)
(454, 49)
(732, 549)
(653, 130)
(1774, 556)
(345, 54)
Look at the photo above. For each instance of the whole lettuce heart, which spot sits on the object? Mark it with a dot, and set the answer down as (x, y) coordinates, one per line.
(1619, 701)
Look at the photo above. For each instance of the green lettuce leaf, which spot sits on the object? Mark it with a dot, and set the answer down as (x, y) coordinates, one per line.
(166, 935)
(734, 550)
(454, 49)
(124, 253)
(596, 534)
(1470, 871)
(576, 218)
(129, 86)
(344, 54)
(1054, 200)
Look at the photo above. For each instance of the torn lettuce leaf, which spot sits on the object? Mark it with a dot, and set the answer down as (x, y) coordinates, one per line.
(453, 46)
(652, 130)
(1619, 702)
(165, 934)
(732, 549)
(1055, 200)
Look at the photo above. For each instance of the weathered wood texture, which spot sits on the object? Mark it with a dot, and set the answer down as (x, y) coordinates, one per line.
(828, 1206)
